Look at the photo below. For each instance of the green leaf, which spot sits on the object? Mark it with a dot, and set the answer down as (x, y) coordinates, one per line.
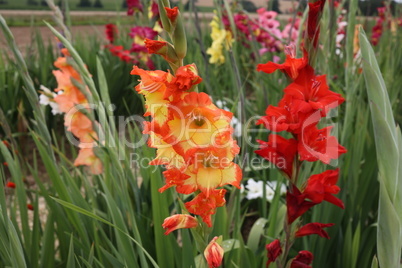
(388, 146)
(70, 259)
(388, 232)
(256, 232)
(90, 214)
(374, 263)
(230, 244)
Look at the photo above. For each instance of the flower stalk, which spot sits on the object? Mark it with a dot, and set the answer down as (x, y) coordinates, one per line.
(192, 137)
(306, 100)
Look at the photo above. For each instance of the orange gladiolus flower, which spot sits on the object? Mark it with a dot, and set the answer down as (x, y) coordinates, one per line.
(185, 78)
(86, 157)
(156, 47)
(205, 206)
(192, 136)
(214, 253)
(179, 221)
(71, 101)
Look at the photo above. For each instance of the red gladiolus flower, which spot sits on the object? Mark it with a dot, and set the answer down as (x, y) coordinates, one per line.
(274, 250)
(5, 164)
(322, 186)
(279, 151)
(296, 204)
(289, 116)
(205, 205)
(302, 260)
(172, 13)
(111, 32)
(314, 228)
(10, 185)
(291, 67)
(179, 221)
(314, 14)
(120, 52)
(314, 91)
(316, 144)
(214, 254)
(156, 47)
(30, 206)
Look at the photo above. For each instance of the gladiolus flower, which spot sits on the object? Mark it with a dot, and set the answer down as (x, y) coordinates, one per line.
(192, 137)
(214, 253)
(86, 157)
(314, 14)
(185, 78)
(139, 34)
(156, 47)
(75, 121)
(289, 116)
(5, 164)
(314, 91)
(322, 187)
(120, 52)
(133, 6)
(291, 67)
(153, 10)
(314, 228)
(316, 144)
(179, 221)
(220, 38)
(111, 32)
(205, 205)
(296, 205)
(302, 260)
(172, 13)
(274, 250)
(10, 184)
(197, 122)
(279, 151)
(30, 207)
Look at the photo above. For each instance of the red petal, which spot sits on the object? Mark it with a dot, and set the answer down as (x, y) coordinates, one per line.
(314, 228)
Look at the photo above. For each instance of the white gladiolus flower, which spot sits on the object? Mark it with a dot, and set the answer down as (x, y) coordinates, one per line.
(254, 189)
(45, 99)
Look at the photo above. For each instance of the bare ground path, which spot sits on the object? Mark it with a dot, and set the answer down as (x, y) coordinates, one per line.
(23, 35)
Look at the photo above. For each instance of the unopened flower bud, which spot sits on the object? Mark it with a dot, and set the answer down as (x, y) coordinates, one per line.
(179, 221)
(214, 253)
(172, 14)
(156, 47)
